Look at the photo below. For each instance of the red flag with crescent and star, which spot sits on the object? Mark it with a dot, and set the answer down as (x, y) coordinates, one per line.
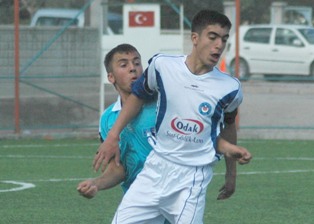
(141, 18)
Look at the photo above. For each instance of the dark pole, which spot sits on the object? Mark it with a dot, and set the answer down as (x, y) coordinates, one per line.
(17, 65)
(237, 59)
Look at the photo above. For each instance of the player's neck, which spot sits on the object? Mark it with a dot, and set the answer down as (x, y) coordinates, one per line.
(196, 66)
(124, 96)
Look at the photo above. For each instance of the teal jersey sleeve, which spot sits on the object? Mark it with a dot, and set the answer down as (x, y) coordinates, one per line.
(106, 122)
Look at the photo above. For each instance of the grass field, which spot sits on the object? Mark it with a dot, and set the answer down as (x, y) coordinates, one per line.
(276, 187)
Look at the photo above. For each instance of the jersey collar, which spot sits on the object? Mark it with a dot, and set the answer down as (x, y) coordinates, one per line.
(118, 105)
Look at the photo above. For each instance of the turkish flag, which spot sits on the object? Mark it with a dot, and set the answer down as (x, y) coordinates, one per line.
(141, 18)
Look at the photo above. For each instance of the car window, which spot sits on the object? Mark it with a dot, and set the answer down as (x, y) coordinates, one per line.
(53, 21)
(116, 26)
(308, 34)
(286, 37)
(258, 35)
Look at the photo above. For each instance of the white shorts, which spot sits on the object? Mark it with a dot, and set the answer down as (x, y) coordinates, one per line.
(164, 190)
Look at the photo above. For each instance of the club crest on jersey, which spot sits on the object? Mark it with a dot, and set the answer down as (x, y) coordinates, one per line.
(204, 108)
(187, 126)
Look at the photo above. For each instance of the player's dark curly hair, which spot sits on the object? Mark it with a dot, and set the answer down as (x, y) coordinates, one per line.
(207, 17)
(122, 48)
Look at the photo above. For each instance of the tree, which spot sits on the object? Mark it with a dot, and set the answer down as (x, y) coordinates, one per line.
(252, 11)
(257, 11)
(29, 7)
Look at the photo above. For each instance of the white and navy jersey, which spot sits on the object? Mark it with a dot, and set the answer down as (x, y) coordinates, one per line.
(190, 108)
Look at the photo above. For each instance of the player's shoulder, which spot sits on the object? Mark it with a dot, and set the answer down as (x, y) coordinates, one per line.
(227, 77)
(108, 110)
(162, 58)
(109, 113)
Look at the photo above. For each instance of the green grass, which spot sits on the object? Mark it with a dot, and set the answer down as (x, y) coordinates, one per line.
(276, 187)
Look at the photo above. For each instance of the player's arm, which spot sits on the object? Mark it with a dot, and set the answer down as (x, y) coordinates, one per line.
(229, 133)
(112, 176)
(110, 147)
(232, 151)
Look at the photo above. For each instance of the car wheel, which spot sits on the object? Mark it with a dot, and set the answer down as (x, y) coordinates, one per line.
(244, 72)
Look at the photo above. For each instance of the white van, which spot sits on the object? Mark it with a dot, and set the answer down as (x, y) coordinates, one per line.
(273, 50)
(57, 17)
(62, 17)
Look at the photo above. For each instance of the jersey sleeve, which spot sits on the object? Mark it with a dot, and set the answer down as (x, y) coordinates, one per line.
(146, 86)
(229, 118)
(106, 122)
(103, 127)
(236, 100)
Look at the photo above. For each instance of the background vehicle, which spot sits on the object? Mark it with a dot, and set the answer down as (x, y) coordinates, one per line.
(57, 17)
(61, 17)
(273, 50)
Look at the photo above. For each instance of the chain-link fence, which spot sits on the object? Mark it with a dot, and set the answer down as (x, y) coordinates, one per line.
(59, 84)
(59, 88)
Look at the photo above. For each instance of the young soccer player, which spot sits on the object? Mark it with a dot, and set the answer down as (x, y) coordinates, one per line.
(123, 65)
(193, 96)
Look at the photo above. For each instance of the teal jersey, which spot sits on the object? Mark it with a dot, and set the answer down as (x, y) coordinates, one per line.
(134, 147)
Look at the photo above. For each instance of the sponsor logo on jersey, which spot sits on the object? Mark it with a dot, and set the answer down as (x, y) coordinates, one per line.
(187, 126)
(204, 108)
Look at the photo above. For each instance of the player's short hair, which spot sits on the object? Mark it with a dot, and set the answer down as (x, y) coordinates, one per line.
(122, 48)
(207, 17)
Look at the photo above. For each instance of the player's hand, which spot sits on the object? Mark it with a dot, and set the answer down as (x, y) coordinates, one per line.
(87, 189)
(106, 151)
(239, 153)
(227, 190)
(245, 157)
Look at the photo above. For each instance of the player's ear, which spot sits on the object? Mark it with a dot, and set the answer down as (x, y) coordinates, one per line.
(111, 78)
(194, 37)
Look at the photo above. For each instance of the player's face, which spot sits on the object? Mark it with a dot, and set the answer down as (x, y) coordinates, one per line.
(210, 44)
(126, 68)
